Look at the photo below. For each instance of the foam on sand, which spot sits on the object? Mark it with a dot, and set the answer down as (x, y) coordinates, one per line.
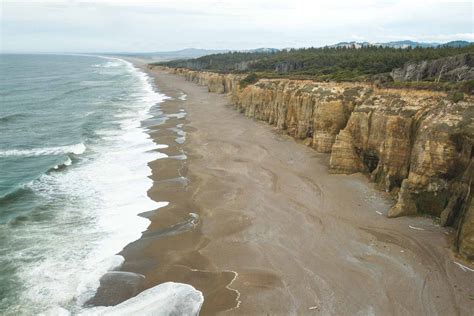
(165, 299)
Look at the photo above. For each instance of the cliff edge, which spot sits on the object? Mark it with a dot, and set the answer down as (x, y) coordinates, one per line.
(417, 145)
(453, 68)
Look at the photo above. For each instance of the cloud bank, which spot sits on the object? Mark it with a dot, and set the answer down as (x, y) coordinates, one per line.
(158, 25)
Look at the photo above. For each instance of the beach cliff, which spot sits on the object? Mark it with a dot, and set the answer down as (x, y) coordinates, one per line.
(416, 145)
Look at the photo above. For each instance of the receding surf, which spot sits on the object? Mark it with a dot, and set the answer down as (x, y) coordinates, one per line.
(74, 163)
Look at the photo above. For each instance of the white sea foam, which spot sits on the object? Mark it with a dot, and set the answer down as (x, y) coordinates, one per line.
(165, 299)
(113, 63)
(66, 163)
(162, 300)
(182, 96)
(76, 149)
(103, 195)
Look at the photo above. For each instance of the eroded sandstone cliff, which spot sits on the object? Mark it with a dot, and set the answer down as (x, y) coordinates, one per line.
(454, 68)
(417, 145)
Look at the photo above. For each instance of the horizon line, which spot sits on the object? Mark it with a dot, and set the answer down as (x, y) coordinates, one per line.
(218, 49)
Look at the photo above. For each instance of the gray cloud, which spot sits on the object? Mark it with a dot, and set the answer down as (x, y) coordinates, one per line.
(146, 25)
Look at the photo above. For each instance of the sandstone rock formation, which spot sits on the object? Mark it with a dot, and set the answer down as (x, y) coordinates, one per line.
(417, 145)
(455, 68)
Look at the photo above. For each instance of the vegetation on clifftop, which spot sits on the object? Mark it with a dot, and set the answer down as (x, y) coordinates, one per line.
(327, 63)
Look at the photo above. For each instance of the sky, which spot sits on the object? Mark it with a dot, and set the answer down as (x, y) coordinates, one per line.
(163, 25)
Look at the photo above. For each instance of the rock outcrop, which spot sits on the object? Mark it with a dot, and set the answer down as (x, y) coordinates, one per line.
(455, 68)
(314, 112)
(417, 145)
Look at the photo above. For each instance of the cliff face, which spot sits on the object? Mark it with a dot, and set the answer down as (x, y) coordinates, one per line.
(417, 145)
(305, 110)
(455, 68)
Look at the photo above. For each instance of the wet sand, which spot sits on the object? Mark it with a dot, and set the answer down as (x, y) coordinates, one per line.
(256, 222)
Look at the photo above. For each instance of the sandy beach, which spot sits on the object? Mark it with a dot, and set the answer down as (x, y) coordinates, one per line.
(256, 223)
(221, 158)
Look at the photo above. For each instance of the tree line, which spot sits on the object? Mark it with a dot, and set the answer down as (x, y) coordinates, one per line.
(326, 63)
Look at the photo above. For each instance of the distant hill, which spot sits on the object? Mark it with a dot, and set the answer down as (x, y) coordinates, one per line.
(261, 50)
(402, 44)
(186, 53)
(191, 53)
(457, 44)
(351, 44)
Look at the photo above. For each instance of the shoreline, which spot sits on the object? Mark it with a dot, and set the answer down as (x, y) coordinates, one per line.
(168, 250)
(274, 233)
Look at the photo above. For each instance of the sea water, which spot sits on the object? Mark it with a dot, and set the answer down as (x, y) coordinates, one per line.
(73, 175)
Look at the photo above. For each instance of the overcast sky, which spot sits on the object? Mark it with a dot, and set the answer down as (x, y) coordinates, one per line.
(160, 25)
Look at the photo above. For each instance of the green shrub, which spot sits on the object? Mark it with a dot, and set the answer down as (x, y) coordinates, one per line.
(456, 96)
(250, 79)
(468, 87)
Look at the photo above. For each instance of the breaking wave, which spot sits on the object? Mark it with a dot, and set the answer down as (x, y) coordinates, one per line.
(76, 149)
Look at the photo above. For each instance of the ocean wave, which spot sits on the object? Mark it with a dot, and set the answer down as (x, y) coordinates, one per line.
(12, 117)
(17, 190)
(95, 83)
(87, 85)
(14, 193)
(91, 208)
(114, 63)
(62, 165)
(168, 298)
(110, 64)
(76, 149)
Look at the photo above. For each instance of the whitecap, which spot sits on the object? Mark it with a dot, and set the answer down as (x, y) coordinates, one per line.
(76, 149)
(112, 63)
(104, 192)
(66, 163)
(164, 299)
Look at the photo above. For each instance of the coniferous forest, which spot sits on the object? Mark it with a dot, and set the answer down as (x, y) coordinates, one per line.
(322, 64)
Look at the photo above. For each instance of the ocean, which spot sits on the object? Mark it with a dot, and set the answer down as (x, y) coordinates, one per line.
(73, 175)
